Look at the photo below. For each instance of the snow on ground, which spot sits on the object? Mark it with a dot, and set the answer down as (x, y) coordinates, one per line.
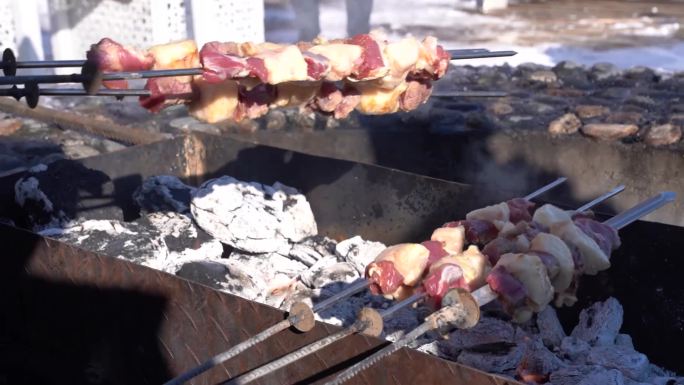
(460, 29)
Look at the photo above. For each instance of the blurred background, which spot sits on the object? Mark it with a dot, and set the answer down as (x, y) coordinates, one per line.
(626, 33)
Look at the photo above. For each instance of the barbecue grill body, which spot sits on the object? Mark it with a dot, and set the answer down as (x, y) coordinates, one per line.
(71, 316)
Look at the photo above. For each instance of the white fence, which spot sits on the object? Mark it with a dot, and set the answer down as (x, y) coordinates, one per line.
(65, 29)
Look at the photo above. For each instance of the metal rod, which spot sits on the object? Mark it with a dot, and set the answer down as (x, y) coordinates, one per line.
(644, 208)
(102, 92)
(80, 92)
(235, 350)
(264, 335)
(470, 94)
(600, 199)
(151, 74)
(44, 79)
(356, 327)
(379, 355)
(546, 188)
(402, 304)
(349, 291)
(480, 55)
(50, 64)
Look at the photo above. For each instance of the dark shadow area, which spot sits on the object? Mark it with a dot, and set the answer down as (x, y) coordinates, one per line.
(57, 329)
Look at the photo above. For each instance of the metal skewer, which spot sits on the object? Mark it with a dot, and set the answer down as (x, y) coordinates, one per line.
(301, 316)
(644, 208)
(88, 74)
(10, 64)
(370, 322)
(456, 55)
(464, 310)
(21, 92)
(600, 199)
(546, 188)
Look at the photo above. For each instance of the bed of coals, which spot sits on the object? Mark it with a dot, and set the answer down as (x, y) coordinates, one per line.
(261, 242)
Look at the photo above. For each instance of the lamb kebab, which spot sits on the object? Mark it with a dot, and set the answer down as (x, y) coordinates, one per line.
(524, 275)
(235, 81)
(465, 270)
(301, 316)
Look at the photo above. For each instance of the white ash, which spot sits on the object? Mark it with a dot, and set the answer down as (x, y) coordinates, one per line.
(500, 359)
(359, 252)
(587, 375)
(550, 328)
(624, 340)
(600, 323)
(488, 331)
(538, 359)
(592, 354)
(312, 249)
(252, 217)
(164, 193)
(160, 241)
(574, 349)
(328, 270)
(630, 363)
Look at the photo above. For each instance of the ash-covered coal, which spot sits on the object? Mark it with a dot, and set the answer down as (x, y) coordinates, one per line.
(253, 217)
(163, 241)
(51, 196)
(164, 193)
(540, 352)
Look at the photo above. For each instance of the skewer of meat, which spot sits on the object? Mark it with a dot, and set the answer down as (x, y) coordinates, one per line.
(461, 308)
(466, 270)
(301, 316)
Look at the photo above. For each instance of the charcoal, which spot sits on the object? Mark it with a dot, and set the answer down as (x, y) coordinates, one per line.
(272, 275)
(600, 323)
(242, 282)
(586, 375)
(312, 249)
(401, 322)
(538, 360)
(309, 277)
(164, 242)
(631, 363)
(343, 313)
(550, 328)
(487, 331)
(209, 273)
(51, 196)
(624, 340)
(253, 217)
(338, 272)
(574, 349)
(666, 380)
(359, 252)
(608, 377)
(164, 193)
(503, 360)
